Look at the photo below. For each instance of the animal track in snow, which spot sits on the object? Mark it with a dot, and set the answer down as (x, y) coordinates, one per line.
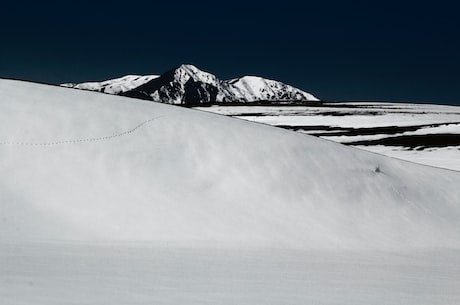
(84, 140)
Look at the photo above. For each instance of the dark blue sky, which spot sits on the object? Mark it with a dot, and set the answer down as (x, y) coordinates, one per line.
(376, 50)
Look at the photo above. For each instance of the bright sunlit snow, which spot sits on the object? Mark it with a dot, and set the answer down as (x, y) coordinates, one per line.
(114, 86)
(110, 200)
(359, 123)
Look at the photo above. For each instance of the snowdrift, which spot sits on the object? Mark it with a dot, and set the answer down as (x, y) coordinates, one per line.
(78, 165)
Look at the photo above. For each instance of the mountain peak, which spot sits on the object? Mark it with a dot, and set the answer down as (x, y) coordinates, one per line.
(186, 71)
(189, 67)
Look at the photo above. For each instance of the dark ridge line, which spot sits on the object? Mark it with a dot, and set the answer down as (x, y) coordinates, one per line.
(258, 103)
(327, 113)
(281, 103)
(417, 142)
(311, 127)
(347, 131)
(390, 102)
(321, 103)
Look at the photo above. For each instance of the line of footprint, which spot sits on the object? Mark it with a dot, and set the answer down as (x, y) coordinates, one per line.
(82, 140)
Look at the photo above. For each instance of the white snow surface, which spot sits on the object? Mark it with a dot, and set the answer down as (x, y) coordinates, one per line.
(367, 115)
(114, 86)
(373, 115)
(110, 200)
(253, 88)
(185, 72)
(78, 157)
(443, 157)
(441, 129)
(299, 116)
(446, 128)
(73, 160)
(57, 274)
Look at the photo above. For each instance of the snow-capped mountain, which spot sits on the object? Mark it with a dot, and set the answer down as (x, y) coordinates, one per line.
(114, 86)
(187, 84)
(183, 85)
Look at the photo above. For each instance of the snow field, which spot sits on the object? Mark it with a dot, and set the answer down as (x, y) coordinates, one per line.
(190, 207)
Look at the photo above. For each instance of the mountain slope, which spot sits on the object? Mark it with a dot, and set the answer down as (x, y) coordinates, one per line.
(187, 84)
(86, 166)
(114, 86)
(253, 88)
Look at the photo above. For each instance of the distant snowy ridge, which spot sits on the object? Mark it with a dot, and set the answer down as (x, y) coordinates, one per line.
(187, 84)
(114, 86)
(258, 88)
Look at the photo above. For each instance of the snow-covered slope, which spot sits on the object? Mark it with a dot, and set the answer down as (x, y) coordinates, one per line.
(77, 165)
(253, 88)
(114, 86)
(421, 133)
(187, 84)
(109, 200)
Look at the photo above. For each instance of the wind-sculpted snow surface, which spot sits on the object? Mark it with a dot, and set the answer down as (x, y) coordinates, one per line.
(56, 274)
(195, 176)
(83, 140)
(420, 133)
(170, 205)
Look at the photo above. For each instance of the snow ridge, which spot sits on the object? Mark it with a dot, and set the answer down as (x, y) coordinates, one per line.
(114, 86)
